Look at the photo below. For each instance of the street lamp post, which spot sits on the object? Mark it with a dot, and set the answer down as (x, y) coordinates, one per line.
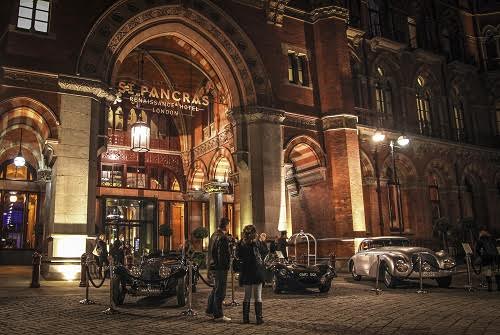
(402, 141)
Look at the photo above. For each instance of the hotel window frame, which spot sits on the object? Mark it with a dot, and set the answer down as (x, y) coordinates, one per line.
(497, 117)
(434, 197)
(114, 168)
(383, 97)
(31, 174)
(423, 107)
(298, 68)
(459, 121)
(374, 18)
(36, 17)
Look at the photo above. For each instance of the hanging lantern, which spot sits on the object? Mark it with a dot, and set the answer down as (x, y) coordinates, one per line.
(19, 160)
(140, 136)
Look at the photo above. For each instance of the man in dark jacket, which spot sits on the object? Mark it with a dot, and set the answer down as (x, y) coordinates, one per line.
(219, 259)
(487, 250)
(281, 244)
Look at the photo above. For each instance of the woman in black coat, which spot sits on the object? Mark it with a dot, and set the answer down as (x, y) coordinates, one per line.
(251, 273)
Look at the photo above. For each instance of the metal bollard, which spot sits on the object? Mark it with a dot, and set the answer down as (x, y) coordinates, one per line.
(468, 287)
(83, 270)
(86, 301)
(233, 302)
(35, 274)
(333, 260)
(420, 275)
(111, 309)
(377, 290)
(190, 311)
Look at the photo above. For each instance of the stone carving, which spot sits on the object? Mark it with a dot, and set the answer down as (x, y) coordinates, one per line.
(93, 88)
(44, 175)
(216, 187)
(224, 137)
(301, 121)
(318, 13)
(339, 122)
(97, 54)
(30, 79)
(275, 10)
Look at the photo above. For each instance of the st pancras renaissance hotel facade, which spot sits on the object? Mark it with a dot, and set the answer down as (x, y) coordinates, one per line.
(341, 118)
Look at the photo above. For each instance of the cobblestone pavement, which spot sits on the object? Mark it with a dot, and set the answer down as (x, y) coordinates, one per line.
(349, 308)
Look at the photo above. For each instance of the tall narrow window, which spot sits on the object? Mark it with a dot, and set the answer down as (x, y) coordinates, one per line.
(458, 124)
(383, 97)
(423, 107)
(34, 15)
(374, 16)
(297, 68)
(433, 186)
(497, 117)
(412, 33)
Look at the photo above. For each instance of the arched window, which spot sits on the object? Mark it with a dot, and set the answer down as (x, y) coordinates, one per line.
(9, 171)
(433, 186)
(458, 121)
(383, 97)
(374, 16)
(423, 107)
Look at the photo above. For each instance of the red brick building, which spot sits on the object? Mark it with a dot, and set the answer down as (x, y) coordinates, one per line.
(260, 111)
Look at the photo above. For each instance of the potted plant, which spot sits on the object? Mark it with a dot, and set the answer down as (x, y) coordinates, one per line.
(440, 229)
(165, 231)
(199, 234)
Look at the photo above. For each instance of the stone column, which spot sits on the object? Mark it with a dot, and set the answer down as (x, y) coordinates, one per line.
(343, 160)
(265, 147)
(215, 190)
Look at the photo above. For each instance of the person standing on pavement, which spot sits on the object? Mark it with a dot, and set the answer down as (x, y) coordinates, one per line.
(219, 259)
(262, 243)
(101, 252)
(252, 272)
(281, 244)
(487, 251)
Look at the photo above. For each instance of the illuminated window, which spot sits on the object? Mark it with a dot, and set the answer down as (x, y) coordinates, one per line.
(136, 177)
(111, 175)
(434, 197)
(423, 107)
(34, 15)
(115, 118)
(458, 124)
(11, 172)
(297, 68)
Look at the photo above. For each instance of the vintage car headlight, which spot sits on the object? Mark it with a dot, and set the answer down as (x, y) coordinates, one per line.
(136, 271)
(449, 263)
(283, 272)
(401, 265)
(164, 271)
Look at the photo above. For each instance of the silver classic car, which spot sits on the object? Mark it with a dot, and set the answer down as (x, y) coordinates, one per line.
(400, 261)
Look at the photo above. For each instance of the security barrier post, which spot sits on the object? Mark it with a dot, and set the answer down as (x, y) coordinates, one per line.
(111, 310)
(421, 275)
(190, 312)
(377, 290)
(85, 269)
(35, 274)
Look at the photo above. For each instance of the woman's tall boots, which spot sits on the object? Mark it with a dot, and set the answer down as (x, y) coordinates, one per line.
(246, 311)
(258, 313)
(490, 283)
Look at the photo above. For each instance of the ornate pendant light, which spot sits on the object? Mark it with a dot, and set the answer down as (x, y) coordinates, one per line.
(140, 130)
(19, 161)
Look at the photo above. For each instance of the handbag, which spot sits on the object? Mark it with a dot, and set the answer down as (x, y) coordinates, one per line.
(260, 268)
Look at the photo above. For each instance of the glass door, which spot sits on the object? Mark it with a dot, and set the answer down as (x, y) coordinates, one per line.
(135, 220)
(19, 216)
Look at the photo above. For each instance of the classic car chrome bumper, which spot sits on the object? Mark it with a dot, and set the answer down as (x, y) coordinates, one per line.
(426, 274)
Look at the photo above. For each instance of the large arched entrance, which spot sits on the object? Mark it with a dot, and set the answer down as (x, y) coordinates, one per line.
(181, 74)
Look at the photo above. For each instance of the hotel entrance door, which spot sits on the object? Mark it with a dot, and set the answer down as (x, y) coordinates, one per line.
(135, 220)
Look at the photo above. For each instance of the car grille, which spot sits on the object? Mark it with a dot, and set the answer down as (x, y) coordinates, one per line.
(426, 258)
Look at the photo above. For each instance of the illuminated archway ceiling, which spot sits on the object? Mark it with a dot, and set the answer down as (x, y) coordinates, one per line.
(168, 60)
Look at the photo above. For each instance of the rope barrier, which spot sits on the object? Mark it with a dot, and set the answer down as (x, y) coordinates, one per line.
(92, 281)
(203, 279)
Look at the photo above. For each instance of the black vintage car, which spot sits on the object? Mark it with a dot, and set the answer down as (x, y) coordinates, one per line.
(157, 275)
(290, 276)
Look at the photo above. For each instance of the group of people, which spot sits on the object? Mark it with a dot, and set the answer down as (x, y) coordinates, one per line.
(249, 254)
(117, 251)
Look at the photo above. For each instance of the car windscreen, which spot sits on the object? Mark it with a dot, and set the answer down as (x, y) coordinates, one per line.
(390, 243)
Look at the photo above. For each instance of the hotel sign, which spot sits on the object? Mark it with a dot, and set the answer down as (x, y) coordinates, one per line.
(162, 100)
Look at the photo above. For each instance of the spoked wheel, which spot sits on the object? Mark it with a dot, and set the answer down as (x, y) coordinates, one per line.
(275, 283)
(389, 280)
(353, 273)
(181, 292)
